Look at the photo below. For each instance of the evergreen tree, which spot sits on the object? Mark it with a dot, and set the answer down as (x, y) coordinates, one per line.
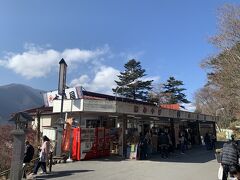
(173, 92)
(130, 83)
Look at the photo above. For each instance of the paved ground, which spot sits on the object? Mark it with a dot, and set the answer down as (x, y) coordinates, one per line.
(196, 164)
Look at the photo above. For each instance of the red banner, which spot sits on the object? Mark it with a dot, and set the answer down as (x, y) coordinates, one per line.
(67, 135)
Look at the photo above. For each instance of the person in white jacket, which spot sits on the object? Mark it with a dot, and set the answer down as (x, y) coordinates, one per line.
(43, 156)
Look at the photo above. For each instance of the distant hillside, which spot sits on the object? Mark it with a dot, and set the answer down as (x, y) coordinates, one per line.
(17, 97)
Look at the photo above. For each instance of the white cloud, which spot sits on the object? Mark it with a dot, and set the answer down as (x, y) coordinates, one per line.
(38, 62)
(103, 80)
(106, 76)
(33, 63)
(149, 78)
(76, 54)
(189, 107)
(81, 81)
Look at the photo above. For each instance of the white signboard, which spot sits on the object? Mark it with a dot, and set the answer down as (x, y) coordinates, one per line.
(68, 105)
(71, 93)
(99, 105)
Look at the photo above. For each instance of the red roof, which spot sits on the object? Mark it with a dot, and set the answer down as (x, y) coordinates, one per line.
(170, 106)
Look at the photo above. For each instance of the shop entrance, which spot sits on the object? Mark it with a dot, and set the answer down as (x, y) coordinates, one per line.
(190, 130)
(194, 133)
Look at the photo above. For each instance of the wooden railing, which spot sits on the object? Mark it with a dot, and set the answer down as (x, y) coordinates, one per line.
(4, 174)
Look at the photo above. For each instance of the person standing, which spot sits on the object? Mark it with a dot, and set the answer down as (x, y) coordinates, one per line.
(182, 142)
(28, 156)
(213, 141)
(149, 143)
(43, 156)
(163, 144)
(29, 152)
(207, 141)
(142, 147)
(230, 157)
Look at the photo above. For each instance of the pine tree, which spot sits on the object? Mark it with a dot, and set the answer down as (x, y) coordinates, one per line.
(173, 93)
(130, 83)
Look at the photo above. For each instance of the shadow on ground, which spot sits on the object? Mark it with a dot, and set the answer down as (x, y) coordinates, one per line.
(61, 174)
(112, 158)
(197, 154)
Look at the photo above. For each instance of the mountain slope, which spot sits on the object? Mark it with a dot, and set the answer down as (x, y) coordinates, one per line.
(18, 97)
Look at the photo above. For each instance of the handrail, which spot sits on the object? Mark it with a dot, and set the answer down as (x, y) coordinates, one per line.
(5, 173)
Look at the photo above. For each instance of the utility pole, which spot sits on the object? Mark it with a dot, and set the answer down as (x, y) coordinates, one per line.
(61, 91)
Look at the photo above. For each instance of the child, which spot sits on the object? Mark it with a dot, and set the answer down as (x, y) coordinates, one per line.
(235, 171)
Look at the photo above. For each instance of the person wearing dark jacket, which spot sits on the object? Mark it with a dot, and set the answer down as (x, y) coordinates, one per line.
(230, 157)
(29, 152)
(142, 147)
(207, 141)
(163, 144)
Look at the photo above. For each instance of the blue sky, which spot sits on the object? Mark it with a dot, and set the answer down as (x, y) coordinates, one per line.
(96, 38)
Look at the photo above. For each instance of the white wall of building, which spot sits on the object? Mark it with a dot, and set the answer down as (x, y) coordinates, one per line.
(68, 105)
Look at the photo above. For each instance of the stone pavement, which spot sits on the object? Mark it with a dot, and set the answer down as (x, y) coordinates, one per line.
(196, 164)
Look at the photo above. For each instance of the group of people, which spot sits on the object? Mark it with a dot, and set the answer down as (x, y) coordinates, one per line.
(162, 141)
(230, 159)
(42, 156)
(185, 140)
(149, 140)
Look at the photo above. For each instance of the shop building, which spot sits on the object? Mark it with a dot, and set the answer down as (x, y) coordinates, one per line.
(126, 118)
